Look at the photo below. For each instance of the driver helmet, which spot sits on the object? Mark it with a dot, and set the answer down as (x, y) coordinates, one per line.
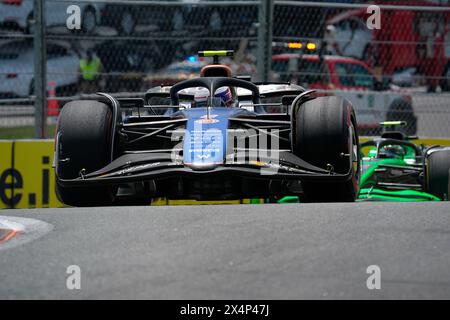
(225, 94)
(201, 97)
(392, 151)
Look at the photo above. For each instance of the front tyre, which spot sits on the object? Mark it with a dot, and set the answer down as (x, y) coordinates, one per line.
(437, 171)
(84, 143)
(324, 134)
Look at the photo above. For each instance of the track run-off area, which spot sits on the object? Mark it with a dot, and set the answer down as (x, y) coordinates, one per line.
(270, 251)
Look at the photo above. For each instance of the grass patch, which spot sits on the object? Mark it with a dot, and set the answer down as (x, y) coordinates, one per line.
(26, 132)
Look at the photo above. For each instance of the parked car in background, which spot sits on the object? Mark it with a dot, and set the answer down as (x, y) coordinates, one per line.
(19, 13)
(160, 17)
(300, 21)
(355, 81)
(17, 67)
(127, 62)
(182, 17)
(175, 72)
(408, 40)
(125, 17)
(229, 20)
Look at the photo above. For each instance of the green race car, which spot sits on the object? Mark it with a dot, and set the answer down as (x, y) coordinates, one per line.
(396, 169)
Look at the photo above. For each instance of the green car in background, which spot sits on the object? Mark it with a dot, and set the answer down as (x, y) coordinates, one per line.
(396, 169)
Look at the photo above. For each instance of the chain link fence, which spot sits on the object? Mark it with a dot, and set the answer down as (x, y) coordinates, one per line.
(400, 70)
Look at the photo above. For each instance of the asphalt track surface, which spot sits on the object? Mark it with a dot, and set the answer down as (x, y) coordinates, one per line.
(289, 251)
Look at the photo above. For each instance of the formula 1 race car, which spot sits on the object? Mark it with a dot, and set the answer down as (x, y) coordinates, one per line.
(396, 169)
(186, 142)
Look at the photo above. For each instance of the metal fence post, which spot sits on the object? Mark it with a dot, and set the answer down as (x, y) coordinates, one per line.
(40, 72)
(264, 53)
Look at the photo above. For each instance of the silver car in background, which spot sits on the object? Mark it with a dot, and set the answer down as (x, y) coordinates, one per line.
(19, 13)
(17, 67)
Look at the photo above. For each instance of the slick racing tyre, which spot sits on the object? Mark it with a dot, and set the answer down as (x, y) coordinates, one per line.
(324, 134)
(437, 167)
(84, 143)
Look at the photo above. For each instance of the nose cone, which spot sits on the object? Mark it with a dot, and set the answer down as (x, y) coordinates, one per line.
(202, 166)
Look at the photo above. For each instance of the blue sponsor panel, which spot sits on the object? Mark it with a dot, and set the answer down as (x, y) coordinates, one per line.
(206, 137)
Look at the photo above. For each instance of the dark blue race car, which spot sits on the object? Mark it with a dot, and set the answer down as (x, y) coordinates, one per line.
(183, 142)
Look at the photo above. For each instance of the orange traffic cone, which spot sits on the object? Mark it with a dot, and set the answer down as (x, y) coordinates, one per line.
(52, 103)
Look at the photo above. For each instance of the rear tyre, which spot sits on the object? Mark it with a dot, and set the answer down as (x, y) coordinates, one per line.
(84, 142)
(437, 167)
(401, 110)
(324, 134)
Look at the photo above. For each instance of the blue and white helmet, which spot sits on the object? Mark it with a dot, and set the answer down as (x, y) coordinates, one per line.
(225, 94)
(222, 97)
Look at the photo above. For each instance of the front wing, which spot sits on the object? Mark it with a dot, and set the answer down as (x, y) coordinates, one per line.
(135, 167)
